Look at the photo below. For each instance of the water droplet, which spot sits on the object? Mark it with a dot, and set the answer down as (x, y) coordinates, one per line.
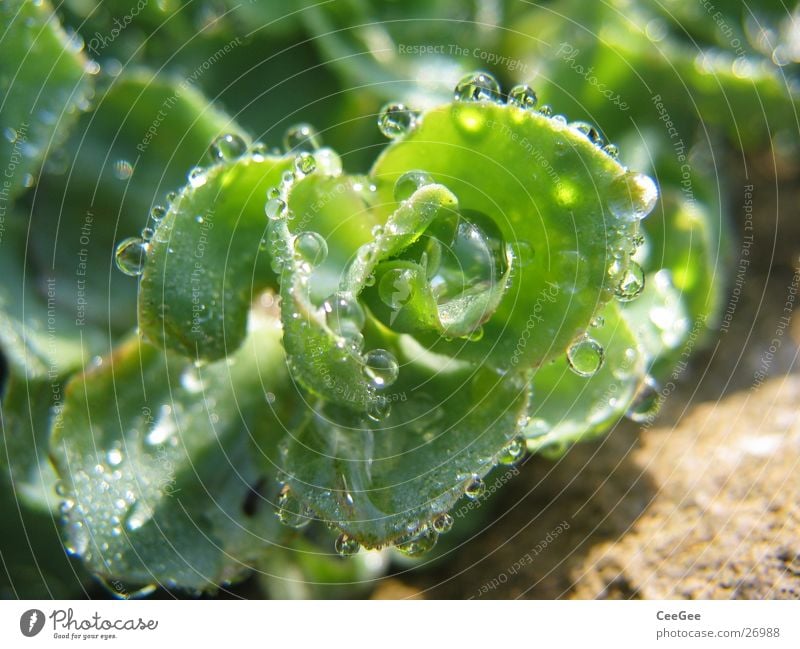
(646, 403)
(598, 321)
(395, 288)
(632, 196)
(301, 137)
(227, 147)
(559, 119)
(311, 248)
(410, 182)
(147, 233)
(477, 86)
(475, 488)
(523, 96)
(418, 543)
(344, 315)
(291, 511)
(305, 163)
(328, 162)
(443, 523)
(396, 120)
(631, 284)
(513, 452)
(379, 409)
(157, 213)
(197, 177)
(131, 255)
(546, 110)
(123, 169)
(275, 209)
(611, 150)
(585, 356)
(589, 131)
(381, 368)
(346, 546)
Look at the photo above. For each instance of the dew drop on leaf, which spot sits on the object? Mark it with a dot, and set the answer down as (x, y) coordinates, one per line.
(631, 283)
(227, 147)
(546, 110)
(410, 182)
(477, 86)
(443, 523)
(379, 409)
(291, 511)
(311, 248)
(275, 209)
(346, 546)
(646, 403)
(158, 212)
(380, 368)
(611, 150)
(344, 315)
(475, 488)
(396, 120)
(131, 255)
(305, 163)
(632, 196)
(197, 177)
(589, 131)
(301, 137)
(418, 543)
(585, 356)
(513, 452)
(523, 96)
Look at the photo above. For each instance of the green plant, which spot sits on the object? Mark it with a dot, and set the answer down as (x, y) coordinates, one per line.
(357, 349)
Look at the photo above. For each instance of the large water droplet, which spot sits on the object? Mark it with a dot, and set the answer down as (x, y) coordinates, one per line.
(380, 368)
(275, 209)
(346, 545)
(523, 96)
(585, 356)
(587, 129)
(158, 212)
(131, 255)
(344, 315)
(477, 86)
(311, 248)
(631, 284)
(514, 451)
(410, 182)
(443, 523)
(291, 511)
(646, 403)
(418, 543)
(301, 137)
(396, 120)
(632, 196)
(227, 147)
(475, 488)
(305, 163)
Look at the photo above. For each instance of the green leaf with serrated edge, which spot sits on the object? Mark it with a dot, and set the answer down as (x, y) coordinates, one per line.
(326, 356)
(382, 481)
(45, 81)
(568, 407)
(154, 457)
(205, 261)
(545, 187)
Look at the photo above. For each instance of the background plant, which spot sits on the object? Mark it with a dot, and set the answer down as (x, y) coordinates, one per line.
(512, 252)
